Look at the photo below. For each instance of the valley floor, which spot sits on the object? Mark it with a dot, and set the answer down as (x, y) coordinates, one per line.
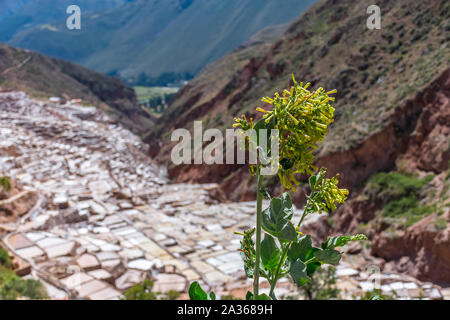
(106, 218)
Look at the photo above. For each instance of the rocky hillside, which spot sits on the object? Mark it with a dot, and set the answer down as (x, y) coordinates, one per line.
(391, 116)
(378, 74)
(44, 77)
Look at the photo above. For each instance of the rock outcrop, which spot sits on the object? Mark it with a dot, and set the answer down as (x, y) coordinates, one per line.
(421, 250)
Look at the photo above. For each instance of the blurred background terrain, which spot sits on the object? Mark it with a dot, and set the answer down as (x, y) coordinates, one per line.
(155, 66)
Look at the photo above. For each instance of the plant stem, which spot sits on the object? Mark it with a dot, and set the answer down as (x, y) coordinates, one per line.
(305, 213)
(258, 235)
(310, 260)
(277, 272)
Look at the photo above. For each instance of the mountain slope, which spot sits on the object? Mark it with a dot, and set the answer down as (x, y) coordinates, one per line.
(11, 7)
(157, 37)
(43, 77)
(389, 142)
(375, 72)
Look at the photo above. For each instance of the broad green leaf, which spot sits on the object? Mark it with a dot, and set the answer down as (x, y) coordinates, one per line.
(340, 241)
(249, 296)
(298, 273)
(196, 292)
(304, 251)
(270, 254)
(276, 218)
(301, 250)
(288, 232)
(287, 205)
(212, 295)
(276, 206)
(312, 267)
(329, 256)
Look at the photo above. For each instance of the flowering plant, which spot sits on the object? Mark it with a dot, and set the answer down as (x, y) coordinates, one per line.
(301, 118)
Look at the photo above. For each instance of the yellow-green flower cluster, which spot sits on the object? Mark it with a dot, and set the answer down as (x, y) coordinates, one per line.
(325, 193)
(243, 123)
(302, 118)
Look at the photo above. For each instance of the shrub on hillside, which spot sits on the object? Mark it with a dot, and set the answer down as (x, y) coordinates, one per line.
(5, 259)
(13, 287)
(141, 291)
(5, 183)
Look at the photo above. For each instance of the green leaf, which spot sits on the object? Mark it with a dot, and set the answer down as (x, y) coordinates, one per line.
(288, 232)
(264, 296)
(298, 273)
(276, 218)
(301, 250)
(312, 267)
(270, 254)
(340, 241)
(212, 295)
(249, 296)
(304, 251)
(329, 256)
(312, 182)
(287, 205)
(249, 272)
(196, 292)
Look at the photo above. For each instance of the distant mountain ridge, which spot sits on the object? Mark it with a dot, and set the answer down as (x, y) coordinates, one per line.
(153, 37)
(10, 7)
(43, 77)
(19, 15)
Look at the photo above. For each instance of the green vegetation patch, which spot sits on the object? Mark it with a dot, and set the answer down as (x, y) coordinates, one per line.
(155, 99)
(322, 285)
(401, 195)
(440, 223)
(5, 183)
(5, 259)
(377, 294)
(141, 291)
(13, 287)
(144, 291)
